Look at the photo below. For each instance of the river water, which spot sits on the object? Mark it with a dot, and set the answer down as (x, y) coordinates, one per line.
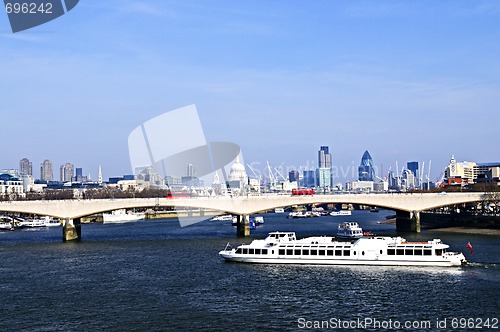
(157, 276)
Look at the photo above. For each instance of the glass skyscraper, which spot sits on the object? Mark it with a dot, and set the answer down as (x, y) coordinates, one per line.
(324, 157)
(324, 171)
(365, 169)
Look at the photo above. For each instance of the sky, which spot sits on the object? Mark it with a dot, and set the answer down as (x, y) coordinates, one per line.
(405, 80)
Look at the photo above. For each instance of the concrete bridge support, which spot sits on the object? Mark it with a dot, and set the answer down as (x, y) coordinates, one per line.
(408, 221)
(243, 227)
(72, 229)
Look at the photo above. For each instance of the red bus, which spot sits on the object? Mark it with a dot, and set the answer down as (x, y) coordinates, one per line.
(302, 191)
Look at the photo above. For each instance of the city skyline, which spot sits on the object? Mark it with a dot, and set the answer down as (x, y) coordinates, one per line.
(405, 81)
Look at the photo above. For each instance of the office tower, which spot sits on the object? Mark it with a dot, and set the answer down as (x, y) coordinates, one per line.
(190, 170)
(25, 167)
(365, 169)
(293, 176)
(67, 172)
(309, 179)
(324, 158)
(324, 176)
(46, 173)
(413, 167)
(79, 175)
(324, 171)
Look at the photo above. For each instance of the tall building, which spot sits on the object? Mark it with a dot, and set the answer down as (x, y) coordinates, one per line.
(324, 158)
(408, 179)
(25, 167)
(293, 176)
(79, 177)
(190, 170)
(309, 179)
(46, 173)
(463, 170)
(366, 171)
(67, 172)
(324, 176)
(324, 171)
(413, 167)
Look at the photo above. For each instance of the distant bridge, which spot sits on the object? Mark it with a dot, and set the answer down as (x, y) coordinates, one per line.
(406, 204)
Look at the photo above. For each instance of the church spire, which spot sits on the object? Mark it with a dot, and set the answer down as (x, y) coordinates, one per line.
(99, 176)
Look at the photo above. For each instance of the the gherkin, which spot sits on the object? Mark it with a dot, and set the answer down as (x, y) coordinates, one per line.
(365, 169)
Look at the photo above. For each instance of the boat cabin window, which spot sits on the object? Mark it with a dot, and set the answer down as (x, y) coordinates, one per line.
(427, 252)
(338, 252)
(418, 252)
(245, 251)
(391, 252)
(439, 252)
(400, 251)
(305, 252)
(238, 251)
(297, 252)
(251, 251)
(347, 253)
(321, 252)
(257, 251)
(281, 252)
(264, 251)
(289, 251)
(408, 251)
(329, 252)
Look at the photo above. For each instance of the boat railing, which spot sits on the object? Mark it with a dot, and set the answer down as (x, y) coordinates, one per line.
(228, 247)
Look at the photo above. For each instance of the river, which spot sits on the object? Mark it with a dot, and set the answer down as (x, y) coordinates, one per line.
(157, 276)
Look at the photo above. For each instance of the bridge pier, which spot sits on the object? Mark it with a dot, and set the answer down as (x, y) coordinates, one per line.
(408, 221)
(72, 229)
(243, 226)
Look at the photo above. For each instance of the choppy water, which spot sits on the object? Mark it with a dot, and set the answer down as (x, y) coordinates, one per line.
(157, 276)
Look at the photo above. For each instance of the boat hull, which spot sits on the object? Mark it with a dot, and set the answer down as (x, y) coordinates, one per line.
(119, 220)
(307, 261)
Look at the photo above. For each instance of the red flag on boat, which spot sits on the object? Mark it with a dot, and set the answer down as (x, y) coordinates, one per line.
(470, 247)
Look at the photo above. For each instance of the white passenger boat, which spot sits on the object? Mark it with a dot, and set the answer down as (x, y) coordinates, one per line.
(225, 217)
(284, 248)
(121, 216)
(6, 223)
(349, 230)
(5, 226)
(32, 223)
(51, 222)
(304, 214)
(341, 213)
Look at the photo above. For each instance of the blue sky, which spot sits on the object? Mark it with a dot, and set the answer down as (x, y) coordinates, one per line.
(407, 80)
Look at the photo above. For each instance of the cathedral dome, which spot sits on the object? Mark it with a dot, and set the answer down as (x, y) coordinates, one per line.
(238, 171)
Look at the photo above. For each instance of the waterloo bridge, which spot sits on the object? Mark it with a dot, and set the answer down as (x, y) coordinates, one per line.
(407, 206)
